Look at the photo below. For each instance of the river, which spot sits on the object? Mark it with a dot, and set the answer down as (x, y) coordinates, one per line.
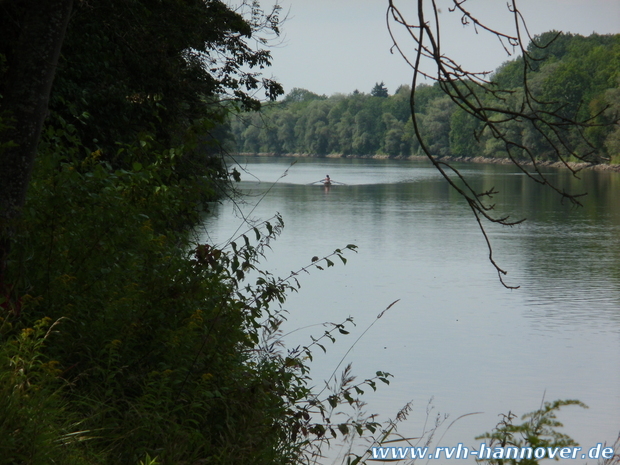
(456, 335)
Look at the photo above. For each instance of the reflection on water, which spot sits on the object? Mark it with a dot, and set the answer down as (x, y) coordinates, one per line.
(456, 334)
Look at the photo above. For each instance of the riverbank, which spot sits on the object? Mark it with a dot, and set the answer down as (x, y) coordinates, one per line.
(496, 161)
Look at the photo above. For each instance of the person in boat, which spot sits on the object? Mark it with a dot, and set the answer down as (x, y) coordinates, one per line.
(327, 181)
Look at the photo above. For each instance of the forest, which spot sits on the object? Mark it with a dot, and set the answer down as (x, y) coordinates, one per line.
(580, 75)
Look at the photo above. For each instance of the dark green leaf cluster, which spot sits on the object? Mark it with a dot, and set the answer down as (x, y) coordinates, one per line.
(379, 90)
(161, 346)
(122, 338)
(129, 67)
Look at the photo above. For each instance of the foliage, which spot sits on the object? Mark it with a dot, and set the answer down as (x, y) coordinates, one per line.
(33, 418)
(379, 90)
(128, 71)
(357, 124)
(167, 349)
(169, 69)
(578, 74)
(138, 66)
(539, 430)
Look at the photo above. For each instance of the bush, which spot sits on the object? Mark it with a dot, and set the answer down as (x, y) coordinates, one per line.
(165, 352)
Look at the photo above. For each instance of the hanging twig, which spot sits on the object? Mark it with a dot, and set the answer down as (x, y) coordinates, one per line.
(472, 92)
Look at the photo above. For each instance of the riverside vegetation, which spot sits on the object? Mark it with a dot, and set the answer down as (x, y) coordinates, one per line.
(580, 73)
(122, 339)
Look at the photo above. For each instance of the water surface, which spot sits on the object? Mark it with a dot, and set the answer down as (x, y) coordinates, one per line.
(456, 335)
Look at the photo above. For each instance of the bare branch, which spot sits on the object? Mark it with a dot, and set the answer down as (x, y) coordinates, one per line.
(494, 107)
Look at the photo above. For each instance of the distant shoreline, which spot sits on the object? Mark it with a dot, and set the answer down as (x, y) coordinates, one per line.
(496, 161)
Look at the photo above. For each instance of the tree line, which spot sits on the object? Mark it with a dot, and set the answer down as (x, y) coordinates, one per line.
(579, 75)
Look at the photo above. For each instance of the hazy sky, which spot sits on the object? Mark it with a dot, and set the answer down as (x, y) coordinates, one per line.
(337, 46)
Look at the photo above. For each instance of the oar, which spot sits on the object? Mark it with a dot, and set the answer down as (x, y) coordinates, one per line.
(336, 182)
(309, 184)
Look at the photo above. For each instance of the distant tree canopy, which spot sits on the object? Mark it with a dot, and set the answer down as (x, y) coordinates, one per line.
(304, 122)
(379, 90)
(302, 95)
(581, 74)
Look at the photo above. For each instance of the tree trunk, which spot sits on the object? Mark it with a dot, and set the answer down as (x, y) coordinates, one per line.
(32, 62)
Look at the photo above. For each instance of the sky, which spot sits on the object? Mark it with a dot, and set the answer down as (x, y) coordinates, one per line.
(338, 46)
